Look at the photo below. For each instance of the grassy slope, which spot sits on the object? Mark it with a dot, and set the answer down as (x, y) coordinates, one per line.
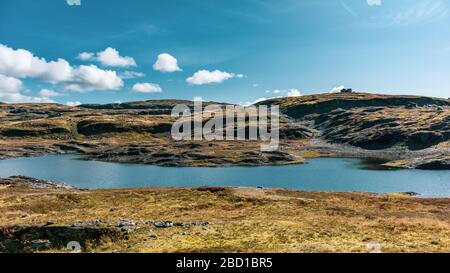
(242, 220)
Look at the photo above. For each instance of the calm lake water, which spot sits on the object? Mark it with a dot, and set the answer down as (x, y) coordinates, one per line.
(323, 174)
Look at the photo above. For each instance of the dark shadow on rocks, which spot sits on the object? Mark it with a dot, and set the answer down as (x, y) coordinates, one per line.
(26, 239)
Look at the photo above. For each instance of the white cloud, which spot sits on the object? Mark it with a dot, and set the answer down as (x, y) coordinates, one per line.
(73, 103)
(337, 89)
(131, 75)
(374, 2)
(10, 85)
(108, 57)
(281, 93)
(147, 88)
(86, 56)
(293, 93)
(11, 91)
(209, 77)
(73, 2)
(47, 93)
(90, 78)
(22, 63)
(111, 57)
(166, 63)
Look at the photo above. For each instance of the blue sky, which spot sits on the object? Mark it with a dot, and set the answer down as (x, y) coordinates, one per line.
(235, 50)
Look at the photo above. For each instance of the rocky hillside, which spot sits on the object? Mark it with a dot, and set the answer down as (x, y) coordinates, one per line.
(373, 121)
(407, 131)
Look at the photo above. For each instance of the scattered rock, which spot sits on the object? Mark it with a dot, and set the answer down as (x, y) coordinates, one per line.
(188, 224)
(165, 224)
(39, 245)
(169, 224)
(127, 226)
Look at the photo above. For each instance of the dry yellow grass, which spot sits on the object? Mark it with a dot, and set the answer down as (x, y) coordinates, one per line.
(243, 219)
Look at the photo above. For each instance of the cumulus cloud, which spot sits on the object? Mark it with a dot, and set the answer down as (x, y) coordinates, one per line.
(209, 77)
(21, 63)
(108, 57)
(166, 63)
(11, 91)
(73, 103)
(10, 84)
(73, 2)
(147, 88)
(374, 2)
(90, 78)
(111, 57)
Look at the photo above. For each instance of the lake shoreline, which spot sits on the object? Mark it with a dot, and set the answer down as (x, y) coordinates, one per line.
(289, 154)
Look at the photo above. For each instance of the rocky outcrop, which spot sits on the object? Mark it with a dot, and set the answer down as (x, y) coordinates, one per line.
(32, 183)
(373, 122)
(435, 164)
(424, 139)
(51, 236)
(26, 239)
(94, 127)
(186, 156)
(22, 132)
(292, 132)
